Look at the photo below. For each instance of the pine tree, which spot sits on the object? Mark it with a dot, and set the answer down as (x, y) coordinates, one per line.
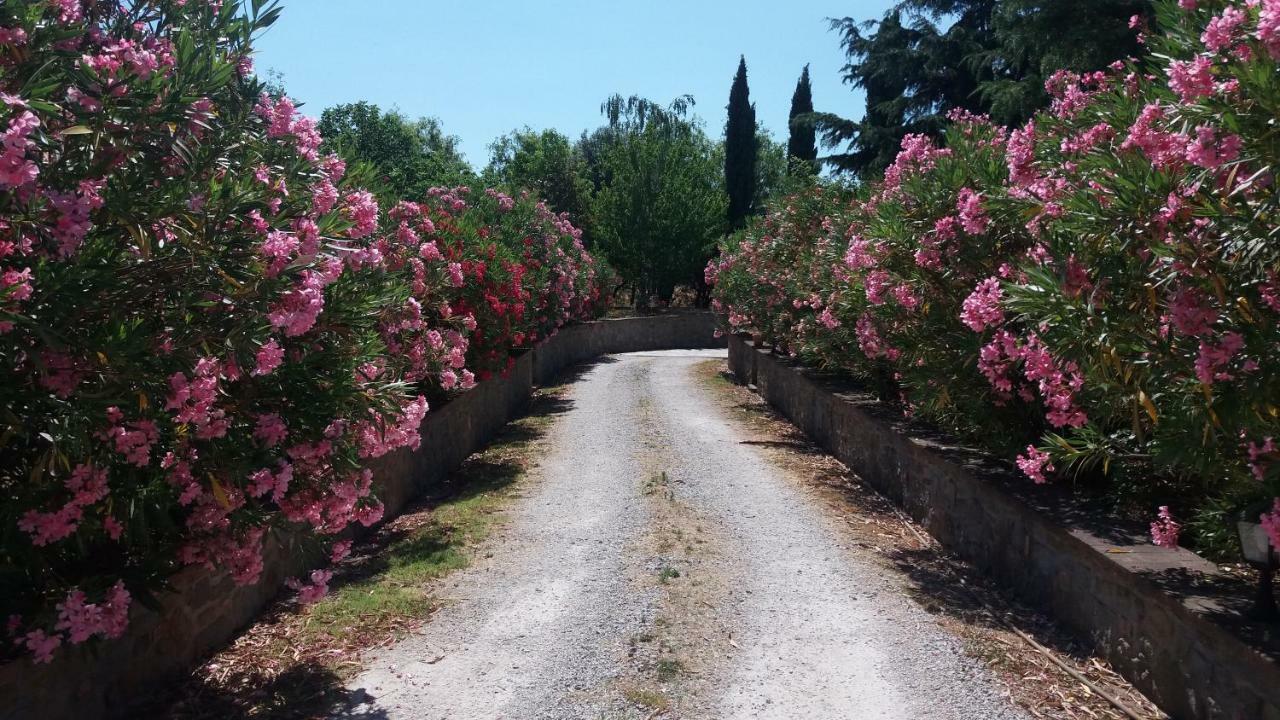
(740, 150)
(925, 58)
(802, 148)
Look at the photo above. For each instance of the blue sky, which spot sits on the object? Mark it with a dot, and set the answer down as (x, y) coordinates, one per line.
(485, 68)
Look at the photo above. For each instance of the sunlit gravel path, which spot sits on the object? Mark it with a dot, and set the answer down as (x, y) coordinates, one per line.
(544, 625)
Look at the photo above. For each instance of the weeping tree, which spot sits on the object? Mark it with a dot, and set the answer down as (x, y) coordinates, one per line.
(660, 206)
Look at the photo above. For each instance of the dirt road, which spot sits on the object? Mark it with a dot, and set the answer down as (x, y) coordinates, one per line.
(659, 566)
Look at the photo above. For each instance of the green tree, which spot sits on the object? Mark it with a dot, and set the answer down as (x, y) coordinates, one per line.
(802, 148)
(547, 164)
(740, 150)
(771, 168)
(407, 156)
(925, 58)
(661, 204)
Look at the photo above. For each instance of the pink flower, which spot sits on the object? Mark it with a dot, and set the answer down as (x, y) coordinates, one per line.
(41, 645)
(827, 319)
(1210, 153)
(1258, 463)
(875, 285)
(270, 356)
(381, 435)
(313, 591)
(270, 429)
(1191, 80)
(278, 250)
(869, 339)
(1020, 155)
(982, 308)
(362, 210)
(1190, 313)
(1165, 530)
(1034, 464)
(1057, 385)
(972, 217)
(859, 255)
(340, 551)
(996, 360)
(1269, 27)
(1220, 32)
(82, 620)
(1164, 149)
(1215, 356)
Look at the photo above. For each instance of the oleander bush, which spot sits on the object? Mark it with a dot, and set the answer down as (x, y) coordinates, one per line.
(520, 270)
(1095, 292)
(206, 329)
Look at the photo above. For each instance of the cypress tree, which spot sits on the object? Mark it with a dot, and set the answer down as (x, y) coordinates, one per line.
(802, 147)
(740, 150)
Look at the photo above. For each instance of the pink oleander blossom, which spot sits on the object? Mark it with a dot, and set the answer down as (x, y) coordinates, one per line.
(1269, 27)
(1164, 529)
(1034, 464)
(313, 591)
(972, 216)
(982, 308)
(1215, 357)
(1191, 80)
(1221, 31)
(269, 357)
(1260, 456)
(1207, 151)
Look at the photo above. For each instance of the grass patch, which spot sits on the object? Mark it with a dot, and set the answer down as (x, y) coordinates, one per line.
(391, 586)
(667, 574)
(647, 698)
(668, 669)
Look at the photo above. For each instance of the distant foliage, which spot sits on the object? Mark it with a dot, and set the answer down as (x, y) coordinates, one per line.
(406, 157)
(1095, 292)
(660, 207)
(547, 164)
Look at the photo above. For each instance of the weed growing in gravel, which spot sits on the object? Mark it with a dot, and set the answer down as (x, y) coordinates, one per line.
(668, 669)
(667, 574)
(644, 697)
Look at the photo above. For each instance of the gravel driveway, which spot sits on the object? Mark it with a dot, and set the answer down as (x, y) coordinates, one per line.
(656, 566)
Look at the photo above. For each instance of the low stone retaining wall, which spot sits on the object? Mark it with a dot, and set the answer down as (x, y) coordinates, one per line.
(206, 609)
(1150, 610)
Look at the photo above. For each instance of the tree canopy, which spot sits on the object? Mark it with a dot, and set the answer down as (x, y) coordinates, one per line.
(407, 156)
(661, 205)
(546, 163)
(925, 58)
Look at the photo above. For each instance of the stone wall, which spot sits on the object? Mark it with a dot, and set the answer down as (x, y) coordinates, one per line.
(1150, 611)
(206, 609)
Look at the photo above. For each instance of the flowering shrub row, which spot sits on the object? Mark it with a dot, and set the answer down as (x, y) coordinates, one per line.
(1095, 293)
(205, 331)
